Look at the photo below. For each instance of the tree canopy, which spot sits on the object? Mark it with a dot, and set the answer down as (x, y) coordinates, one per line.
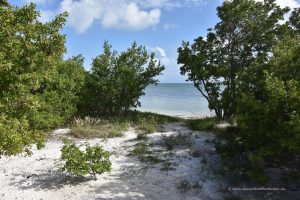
(116, 81)
(242, 39)
(248, 69)
(37, 87)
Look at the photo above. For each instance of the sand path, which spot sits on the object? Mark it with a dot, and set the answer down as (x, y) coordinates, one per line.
(38, 176)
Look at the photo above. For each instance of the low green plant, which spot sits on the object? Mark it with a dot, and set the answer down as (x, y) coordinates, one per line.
(151, 159)
(205, 124)
(141, 150)
(92, 160)
(168, 166)
(177, 140)
(141, 136)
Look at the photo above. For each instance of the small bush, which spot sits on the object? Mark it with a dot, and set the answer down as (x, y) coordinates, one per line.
(177, 140)
(141, 136)
(93, 160)
(168, 166)
(205, 124)
(141, 150)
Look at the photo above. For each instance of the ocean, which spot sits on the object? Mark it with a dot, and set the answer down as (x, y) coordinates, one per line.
(175, 99)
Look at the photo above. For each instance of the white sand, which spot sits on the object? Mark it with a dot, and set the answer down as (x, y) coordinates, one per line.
(38, 176)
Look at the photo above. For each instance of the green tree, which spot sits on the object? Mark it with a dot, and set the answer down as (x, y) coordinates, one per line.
(241, 41)
(273, 115)
(116, 81)
(60, 95)
(294, 21)
(30, 52)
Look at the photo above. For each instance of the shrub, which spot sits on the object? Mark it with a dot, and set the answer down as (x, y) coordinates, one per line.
(177, 140)
(116, 81)
(93, 160)
(141, 150)
(218, 63)
(271, 112)
(16, 137)
(205, 124)
(59, 97)
(29, 55)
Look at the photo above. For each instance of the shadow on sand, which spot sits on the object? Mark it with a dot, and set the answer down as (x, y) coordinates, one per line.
(47, 180)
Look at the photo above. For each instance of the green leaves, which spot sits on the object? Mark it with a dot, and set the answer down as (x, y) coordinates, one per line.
(248, 69)
(29, 56)
(220, 64)
(116, 81)
(271, 111)
(16, 136)
(93, 160)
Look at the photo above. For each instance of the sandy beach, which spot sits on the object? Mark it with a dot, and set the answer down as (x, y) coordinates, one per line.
(39, 177)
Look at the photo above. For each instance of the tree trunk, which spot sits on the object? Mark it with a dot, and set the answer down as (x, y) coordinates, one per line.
(219, 113)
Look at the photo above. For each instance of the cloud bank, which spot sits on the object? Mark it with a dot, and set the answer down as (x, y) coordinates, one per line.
(132, 15)
(118, 14)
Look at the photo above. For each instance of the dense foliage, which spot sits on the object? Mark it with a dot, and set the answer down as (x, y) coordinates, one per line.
(29, 55)
(218, 63)
(248, 69)
(59, 97)
(92, 160)
(40, 90)
(116, 81)
(273, 113)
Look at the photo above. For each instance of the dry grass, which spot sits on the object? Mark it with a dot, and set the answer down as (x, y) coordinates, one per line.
(145, 123)
(89, 127)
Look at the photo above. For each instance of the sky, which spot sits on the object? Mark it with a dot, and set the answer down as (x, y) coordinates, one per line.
(159, 25)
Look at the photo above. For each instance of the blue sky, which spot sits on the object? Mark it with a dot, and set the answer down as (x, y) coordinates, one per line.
(160, 25)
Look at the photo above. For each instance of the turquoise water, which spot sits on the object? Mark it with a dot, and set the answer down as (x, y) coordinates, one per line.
(176, 99)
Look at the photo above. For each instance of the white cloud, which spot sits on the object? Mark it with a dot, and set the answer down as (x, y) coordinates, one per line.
(40, 1)
(288, 3)
(160, 54)
(131, 15)
(81, 13)
(120, 14)
(46, 16)
(171, 72)
(169, 26)
(168, 4)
